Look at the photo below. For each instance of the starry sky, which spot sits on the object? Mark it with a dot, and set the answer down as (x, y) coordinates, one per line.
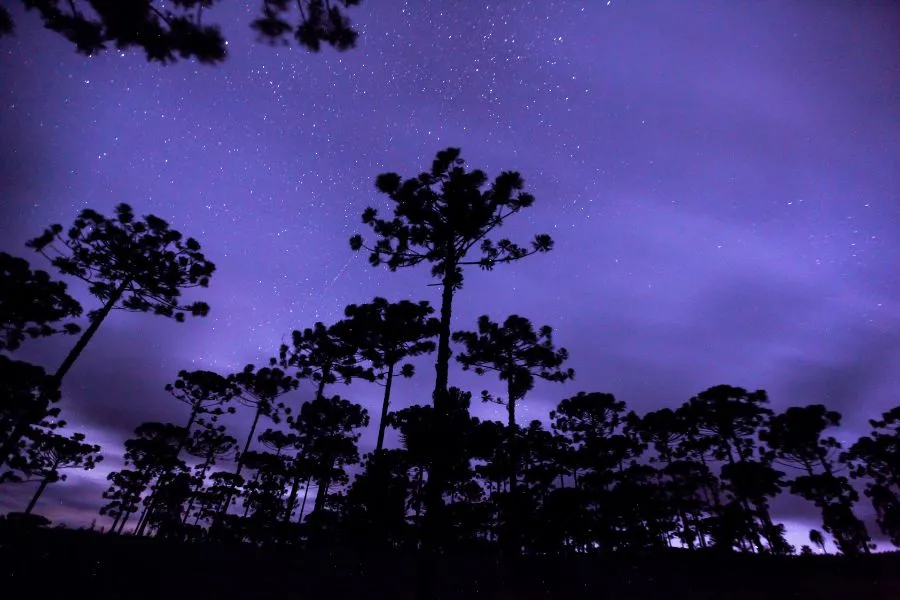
(721, 180)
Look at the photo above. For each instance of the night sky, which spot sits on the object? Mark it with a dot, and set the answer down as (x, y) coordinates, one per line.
(720, 178)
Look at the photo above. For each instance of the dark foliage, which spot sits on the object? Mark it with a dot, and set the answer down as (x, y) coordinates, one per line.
(136, 265)
(637, 496)
(442, 217)
(31, 304)
(172, 31)
(29, 396)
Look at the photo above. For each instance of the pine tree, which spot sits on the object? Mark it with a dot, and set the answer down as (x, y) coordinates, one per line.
(440, 217)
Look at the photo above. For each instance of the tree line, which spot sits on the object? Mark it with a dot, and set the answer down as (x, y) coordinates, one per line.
(600, 479)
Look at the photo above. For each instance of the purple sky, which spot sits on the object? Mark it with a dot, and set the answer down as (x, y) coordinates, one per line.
(721, 180)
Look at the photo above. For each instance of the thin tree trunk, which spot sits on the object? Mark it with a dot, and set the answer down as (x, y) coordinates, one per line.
(432, 529)
(292, 498)
(434, 487)
(187, 512)
(125, 520)
(142, 521)
(418, 493)
(305, 496)
(90, 331)
(112, 528)
(324, 482)
(37, 494)
(240, 462)
(207, 463)
(382, 426)
(70, 359)
(164, 478)
(513, 475)
(295, 487)
(240, 465)
(320, 391)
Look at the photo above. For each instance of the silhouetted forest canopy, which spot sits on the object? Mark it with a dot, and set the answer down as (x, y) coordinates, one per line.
(592, 479)
(171, 31)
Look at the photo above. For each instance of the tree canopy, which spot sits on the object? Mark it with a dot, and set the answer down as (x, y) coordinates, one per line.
(171, 31)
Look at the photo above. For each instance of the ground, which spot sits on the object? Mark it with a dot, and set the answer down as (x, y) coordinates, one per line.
(61, 563)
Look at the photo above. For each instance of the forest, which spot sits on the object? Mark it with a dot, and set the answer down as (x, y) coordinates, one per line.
(592, 500)
(601, 481)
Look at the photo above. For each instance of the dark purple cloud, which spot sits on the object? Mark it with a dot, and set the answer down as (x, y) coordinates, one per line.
(720, 178)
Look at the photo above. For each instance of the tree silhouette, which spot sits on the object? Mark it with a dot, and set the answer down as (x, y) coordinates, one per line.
(51, 453)
(877, 458)
(206, 393)
(817, 539)
(153, 453)
(379, 500)
(167, 32)
(795, 438)
(28, 396)
(602, 450)
(324, 355)
(439, 218)
(140, 266)
(296, 467)
(684, 480)
(385, 334)
(124, 495)
(214, 502)
(259, 389)
(328, 429)
(31, 303)
(264, 496)
(6, 23)
(727, 420)
(416, 428)
(518, 354)
(208, 444)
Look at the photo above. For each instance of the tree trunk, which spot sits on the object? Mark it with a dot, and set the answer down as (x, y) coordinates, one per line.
(76, 351)
(112, 528)
(124, 520)
(323, 483)
(418, 498)
(295, 485)
(240, 465)
(207, 463)
(432, 529)
(305, 496)
(435, 485)
(382, 426)
(90, 331)
(512, 517)
(320, 391)
(240, 462)
(249, 501)
(37, 494)
(142, 521)
(164, 478)
(292, 499)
